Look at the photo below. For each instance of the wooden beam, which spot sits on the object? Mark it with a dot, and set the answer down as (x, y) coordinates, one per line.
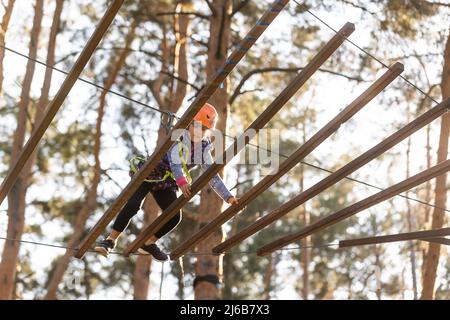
(340, 215)
(440, 240)
(417, 235)
(330, 128)
(335, 177)
(244, 139)
(204, 95)
(57, 102)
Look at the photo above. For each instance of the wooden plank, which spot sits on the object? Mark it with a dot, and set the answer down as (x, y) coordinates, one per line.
(335, 177)
(429, 235)
(325, 132)
(204, 95)
(244, 139)
(439, 240)
(345, 213)
(61, 95)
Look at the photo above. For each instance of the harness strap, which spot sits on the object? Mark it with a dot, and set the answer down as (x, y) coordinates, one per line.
(135, 169)
(211, 278)
(181, 145)
(168, 174)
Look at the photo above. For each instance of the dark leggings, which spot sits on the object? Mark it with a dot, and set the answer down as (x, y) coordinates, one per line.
(163, 198)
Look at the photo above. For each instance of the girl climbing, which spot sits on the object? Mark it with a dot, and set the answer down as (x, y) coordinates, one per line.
(171, 173)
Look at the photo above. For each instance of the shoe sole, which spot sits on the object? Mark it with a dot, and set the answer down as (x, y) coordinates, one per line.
(102, 251)
(148, 254)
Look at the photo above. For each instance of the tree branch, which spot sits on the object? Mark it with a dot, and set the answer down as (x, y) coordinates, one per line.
(241, 183)
(245, 78)
(251, 90)
(190, 36)
(442, 4)
(105, 173)
(211, 7)
(358, 6)
(145, 142)
(414, 55)
(156, 84)
(239, 7)
(191, 13)
(193, 86)
(75, 53)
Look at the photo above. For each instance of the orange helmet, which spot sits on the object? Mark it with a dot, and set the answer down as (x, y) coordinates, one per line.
(207, 116)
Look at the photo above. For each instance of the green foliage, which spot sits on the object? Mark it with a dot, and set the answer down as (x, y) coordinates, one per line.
(405, 17)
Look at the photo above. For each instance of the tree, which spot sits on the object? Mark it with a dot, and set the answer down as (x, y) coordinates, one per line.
(16, 198)
(411, 225)
(171, 38)
(3, 28)
(90, 202)
(433, 253)
(399, 22)
(172, 101)
(210, 204)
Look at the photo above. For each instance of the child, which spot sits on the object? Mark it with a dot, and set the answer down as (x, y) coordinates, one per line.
(167, 177)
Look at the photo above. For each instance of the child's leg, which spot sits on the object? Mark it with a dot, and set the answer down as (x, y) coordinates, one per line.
(164, 199)
(129, 210)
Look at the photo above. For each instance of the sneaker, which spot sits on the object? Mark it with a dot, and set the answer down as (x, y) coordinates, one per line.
(105, 247)
(154, 251)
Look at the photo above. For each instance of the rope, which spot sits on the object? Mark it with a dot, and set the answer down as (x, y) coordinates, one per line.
(162, 280)
(183, 285)
(321, 246)
(167, 120)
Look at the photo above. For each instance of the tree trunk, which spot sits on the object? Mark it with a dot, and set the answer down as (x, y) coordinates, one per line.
(305, 257)
(210, 203)
(16, 198)
(428, 194)
(432, 257)
(378, 272)
(176, 96)
(143, 265)
(410, 221)
(428, 199)
(268, 278)
(4, 27)
(54, 30)
(45, 90)
(306, 252)
(90, 203)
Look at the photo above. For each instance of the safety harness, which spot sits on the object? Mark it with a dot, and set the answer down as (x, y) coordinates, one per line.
(211, 278)
(136, 163)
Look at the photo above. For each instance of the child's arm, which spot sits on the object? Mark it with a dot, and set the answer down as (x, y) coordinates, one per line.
(176, 166)
(216, 182)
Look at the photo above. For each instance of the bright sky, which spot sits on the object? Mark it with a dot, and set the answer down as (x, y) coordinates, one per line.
(332, 94)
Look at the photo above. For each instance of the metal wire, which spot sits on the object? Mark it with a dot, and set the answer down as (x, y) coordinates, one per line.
(170, 115)
(188, 254)
(86, 81)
